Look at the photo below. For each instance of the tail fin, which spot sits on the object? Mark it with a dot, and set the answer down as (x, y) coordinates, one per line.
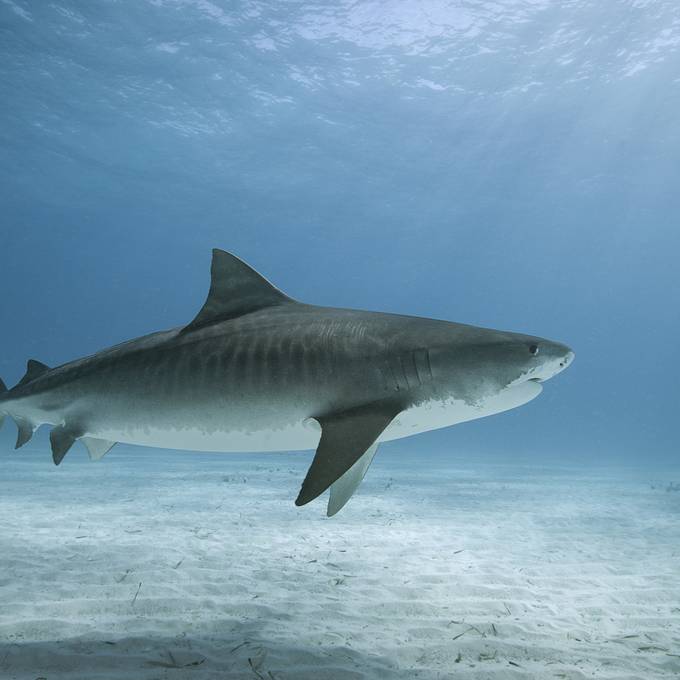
(3, 389)
(34, 369)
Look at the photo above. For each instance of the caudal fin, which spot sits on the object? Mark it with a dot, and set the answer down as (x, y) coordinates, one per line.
(3, 389)
(25, 428)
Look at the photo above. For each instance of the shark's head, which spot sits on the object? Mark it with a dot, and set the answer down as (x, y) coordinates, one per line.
(482, 364)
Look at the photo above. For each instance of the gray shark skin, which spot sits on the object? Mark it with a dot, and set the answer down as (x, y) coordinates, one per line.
(259, 371)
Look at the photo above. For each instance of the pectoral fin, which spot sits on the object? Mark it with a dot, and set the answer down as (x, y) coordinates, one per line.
(345, 437)
(343, 488)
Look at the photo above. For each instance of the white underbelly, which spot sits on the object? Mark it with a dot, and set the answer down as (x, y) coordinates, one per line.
(299, 436)
(433, 415)
(305, 434)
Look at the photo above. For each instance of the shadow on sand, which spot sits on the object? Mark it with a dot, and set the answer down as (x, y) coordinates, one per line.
(242, 652)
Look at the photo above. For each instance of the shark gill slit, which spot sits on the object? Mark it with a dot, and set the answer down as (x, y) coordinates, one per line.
(394, 376)
(252, 365)
(227, 366)
(412, 357)
(263, 361)
(271, 354)
(236, 365)
(402, 366)
(284, 349)
(297, 356)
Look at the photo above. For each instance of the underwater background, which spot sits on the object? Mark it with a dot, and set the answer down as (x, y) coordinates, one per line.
(512, 164)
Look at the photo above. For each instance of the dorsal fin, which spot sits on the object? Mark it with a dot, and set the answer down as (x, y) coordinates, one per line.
(34, 369)
(235, 289)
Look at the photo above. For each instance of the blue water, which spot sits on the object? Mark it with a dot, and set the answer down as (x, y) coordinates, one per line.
(511, 164)
(506, 163)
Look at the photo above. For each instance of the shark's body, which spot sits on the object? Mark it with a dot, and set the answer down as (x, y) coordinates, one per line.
(258, 371)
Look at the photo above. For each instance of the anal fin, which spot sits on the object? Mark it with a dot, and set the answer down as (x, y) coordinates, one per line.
(343, 488)
(97, 448)
(61, 439)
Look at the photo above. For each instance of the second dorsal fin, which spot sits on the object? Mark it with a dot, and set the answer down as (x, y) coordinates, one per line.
(235, 289)
(34, 369)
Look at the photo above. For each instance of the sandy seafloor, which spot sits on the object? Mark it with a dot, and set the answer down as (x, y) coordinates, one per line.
(157, 564)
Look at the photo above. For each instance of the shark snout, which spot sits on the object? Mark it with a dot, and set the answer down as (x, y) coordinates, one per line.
(568, 358)
(559, 358)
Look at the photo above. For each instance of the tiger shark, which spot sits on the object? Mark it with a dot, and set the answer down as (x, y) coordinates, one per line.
(256, 370)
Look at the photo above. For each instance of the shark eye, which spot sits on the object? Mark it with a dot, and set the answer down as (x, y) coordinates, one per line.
(533, 349)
